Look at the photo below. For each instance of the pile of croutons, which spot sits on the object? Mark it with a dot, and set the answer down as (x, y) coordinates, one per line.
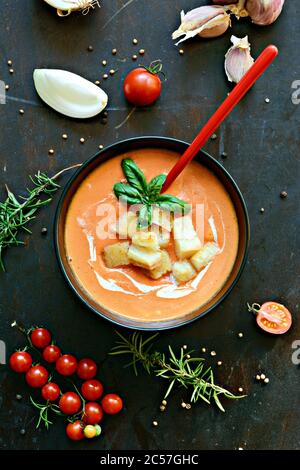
(147, 247)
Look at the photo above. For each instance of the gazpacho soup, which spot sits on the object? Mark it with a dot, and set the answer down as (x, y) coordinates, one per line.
(147, 255)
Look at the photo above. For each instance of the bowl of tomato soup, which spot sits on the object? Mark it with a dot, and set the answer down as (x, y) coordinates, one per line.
(174, 283)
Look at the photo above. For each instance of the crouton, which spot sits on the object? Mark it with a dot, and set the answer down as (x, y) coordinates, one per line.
(183, 271)
(116, 255)
(205, 255)
(143, 257)
(186, 239)
(163, 268)
(146, 240)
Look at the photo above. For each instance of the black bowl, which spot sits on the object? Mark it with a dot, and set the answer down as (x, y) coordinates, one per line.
(180, 147)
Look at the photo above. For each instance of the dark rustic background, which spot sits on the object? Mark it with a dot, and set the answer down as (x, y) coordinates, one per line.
(262, 143)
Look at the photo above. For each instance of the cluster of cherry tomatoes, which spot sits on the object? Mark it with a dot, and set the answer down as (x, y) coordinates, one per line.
(81, 408)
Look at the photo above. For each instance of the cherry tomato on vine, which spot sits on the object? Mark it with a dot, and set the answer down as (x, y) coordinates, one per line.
(142, 86)
(93, 413)
(40, 337)
(86, 369)
(20, 361)
(69, 403)
(272, 317)
(92, 390)
(112, 403)
(50, 391)
(75, 431)
(51, 353)
(37, 376)
(66, 364)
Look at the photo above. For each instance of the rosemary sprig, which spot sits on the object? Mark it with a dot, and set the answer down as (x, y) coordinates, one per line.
(15, 213)
(185, 371)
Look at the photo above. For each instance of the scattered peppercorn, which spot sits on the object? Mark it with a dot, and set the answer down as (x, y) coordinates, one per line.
(214, 137)
(213, 353)
(258, 377)
(6, 87)
(164, 402)
(90, 48)
(112, 72)
(21, 111)
(283, 194)
(105, 76)
(9, 62)
(104, 62)
(155, 423)
(162, 408)
(188, 356)
(101, 147)
(18, 397)
(134, 57)
(183, 404)
(240, 335)
(267, 100)
(11, 70)
(22, 432)
(44, 231)
(262, 376)
(266, 380)
(184, 346)
(224, 155)
(65, 136)
(188, 406)
(240, 448)
(203, 350)
(262, 210)
(142, 51)
(82, 140)
(97, 82)
(114, 51)
(219, 363)
(51, 152)
(134, 41)
(240, 389)
(181, 51)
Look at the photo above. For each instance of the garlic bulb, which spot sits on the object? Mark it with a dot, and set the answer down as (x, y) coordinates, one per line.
(238, 59)
(207, 22)
(65, 7)
(264, 12)
(69, 94)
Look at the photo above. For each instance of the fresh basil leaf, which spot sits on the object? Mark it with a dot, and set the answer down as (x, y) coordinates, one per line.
(127, 193)
(171, 203)
(134, 175)
(145, 216)
(155, 185)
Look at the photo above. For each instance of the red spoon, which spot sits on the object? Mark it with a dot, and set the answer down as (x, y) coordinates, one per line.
(260, 65)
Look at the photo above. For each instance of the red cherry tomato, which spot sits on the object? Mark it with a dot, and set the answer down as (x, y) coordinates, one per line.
(142, 86)
(112, 403)
(50, 391)
(93, 413)
(20, 361)
(69, 403)
(274, 318)
(75, 431)
(87, 369)
(51, 353)
(37, 376)
(92, 390)
(40, 338)
(66, 364)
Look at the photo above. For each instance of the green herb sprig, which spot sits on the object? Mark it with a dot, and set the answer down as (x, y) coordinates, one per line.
(146, 195)
(183, 370)
(15, 214)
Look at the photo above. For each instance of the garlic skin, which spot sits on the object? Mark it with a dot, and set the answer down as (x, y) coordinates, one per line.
(65, 7)
(68, 93)
(207, 21)
(264, 12)
(238, 59)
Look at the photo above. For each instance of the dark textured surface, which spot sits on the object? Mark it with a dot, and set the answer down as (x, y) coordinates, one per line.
(262, 142)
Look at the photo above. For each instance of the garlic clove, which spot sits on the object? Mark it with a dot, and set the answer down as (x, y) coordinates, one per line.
(238, 59)
(264, 12)
(65, 7)
(207, 21)
(69, 94)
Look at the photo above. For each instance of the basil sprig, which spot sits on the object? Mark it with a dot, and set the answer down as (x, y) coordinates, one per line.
(147, 195)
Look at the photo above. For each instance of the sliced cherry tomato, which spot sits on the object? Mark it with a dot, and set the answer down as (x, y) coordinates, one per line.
(87, 369)
(75, 431)
(142, 86)
(66, 364)
(272, 317)
(69, 403)
(93, 413)
(37, 376)
(40, 338)
(20, 361)
(92, 390)
(50, 391)
(112, 403)
(51, 353)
